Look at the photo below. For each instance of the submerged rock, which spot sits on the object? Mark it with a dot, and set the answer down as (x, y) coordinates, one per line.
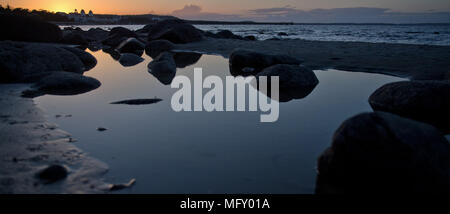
(156, 47)
(138, 101)
(62, 83)
(131, 45)
(28, 62)
(295, 82)
(426, 101)
(384, 153)
(241, 58)
(101, 129)
(116, 187)
(29, 29)
(128, 59)
(163, 68)
(52, 173)
(174, 30)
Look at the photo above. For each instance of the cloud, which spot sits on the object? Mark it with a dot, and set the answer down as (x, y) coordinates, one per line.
(336, 15)
(188, 10)
(194, 12)
(346, 15)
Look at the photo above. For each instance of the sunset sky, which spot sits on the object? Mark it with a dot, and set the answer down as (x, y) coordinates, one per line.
(259, 10)
(223, 6)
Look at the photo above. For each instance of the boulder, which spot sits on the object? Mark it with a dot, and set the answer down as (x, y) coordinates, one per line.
(128, 59)
(175, 30)
(28, 62)
(112, 52)
(250, 37)
(295, 81)
(96, 34)
(131, 45)
(62, 83)
(117, 35)
(52, 173)
(241, 58)
(163, 68)
(73, 38)
(223, 34)
(88, 60)
(184, 59)
(384, 153)
(29, 29)
(427, 101)
(156, 47)
(145, 29)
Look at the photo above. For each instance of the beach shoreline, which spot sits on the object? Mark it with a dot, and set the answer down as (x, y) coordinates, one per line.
(30, 144)
(431, 62)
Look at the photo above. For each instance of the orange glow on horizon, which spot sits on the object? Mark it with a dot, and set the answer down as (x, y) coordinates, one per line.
(98, 7)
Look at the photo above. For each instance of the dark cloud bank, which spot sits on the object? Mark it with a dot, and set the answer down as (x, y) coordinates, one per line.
(337, 15)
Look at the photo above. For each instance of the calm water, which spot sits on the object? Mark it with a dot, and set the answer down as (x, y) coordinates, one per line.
(201, 152)
(431, 34)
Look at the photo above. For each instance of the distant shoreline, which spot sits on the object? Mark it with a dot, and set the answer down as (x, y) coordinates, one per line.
(252, 23)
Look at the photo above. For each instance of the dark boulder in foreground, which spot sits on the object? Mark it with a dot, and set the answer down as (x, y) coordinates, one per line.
(117, 35)
(240, 59)
(128, 59)
(295, 81)
(384, 153)
(28, 62)
(29, 29)
(163, 68)
(62, 83)
(174, 30)
(131, 45)
(156, 47)
(138, 101)
(52, 173)
(426, 101)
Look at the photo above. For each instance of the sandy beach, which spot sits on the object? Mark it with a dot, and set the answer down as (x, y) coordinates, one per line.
(29, 144)
(418, 62)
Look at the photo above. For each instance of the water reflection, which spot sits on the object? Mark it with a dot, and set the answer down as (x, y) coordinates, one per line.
(206, 152)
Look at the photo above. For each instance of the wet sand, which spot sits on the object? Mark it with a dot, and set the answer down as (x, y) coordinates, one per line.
(418, 62)
(29, 144)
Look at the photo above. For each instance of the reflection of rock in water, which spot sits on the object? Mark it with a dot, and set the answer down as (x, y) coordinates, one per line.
(138, 101)
(129, 59)
(163, 68)
(184, 59)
